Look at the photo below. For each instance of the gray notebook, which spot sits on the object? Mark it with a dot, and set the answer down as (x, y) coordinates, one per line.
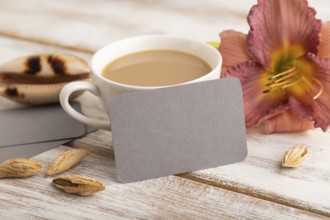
(32, 130)
(178, 129)
(28, 150)
(35, 124)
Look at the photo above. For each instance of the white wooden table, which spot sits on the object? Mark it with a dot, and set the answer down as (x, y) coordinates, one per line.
(257, 188)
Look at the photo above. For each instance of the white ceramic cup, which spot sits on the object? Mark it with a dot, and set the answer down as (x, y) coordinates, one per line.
(105, 88)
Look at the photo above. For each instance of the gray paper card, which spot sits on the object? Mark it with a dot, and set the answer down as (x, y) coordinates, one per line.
(178, 129)
(37, 124)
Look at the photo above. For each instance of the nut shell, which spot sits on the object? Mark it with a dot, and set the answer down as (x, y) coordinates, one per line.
(79, 185)
(19, 167)
(295, 155)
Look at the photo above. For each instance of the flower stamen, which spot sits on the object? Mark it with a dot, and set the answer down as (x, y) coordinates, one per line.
(320, 91)
(283, 80)
(289, 78)
(285, 73)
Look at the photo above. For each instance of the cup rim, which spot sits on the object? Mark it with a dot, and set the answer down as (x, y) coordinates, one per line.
(99, 75)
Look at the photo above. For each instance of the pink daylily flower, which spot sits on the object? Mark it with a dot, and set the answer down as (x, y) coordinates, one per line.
(283, 64)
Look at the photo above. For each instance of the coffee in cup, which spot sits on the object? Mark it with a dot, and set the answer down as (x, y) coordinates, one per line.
(156, 68)
(188, 52)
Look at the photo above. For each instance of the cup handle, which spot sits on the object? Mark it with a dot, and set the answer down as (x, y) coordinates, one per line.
(72, 87)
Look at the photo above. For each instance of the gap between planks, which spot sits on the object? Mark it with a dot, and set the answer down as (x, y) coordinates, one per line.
(106, 150)
(45, 42)
(230, 186)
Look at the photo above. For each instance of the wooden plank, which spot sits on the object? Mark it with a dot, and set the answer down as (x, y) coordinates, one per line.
(11, 49)
(163, 198)
(88, 25)
(260, 175)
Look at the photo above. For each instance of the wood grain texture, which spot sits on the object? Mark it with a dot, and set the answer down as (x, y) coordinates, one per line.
(81, 27)
(87, 25)
(163, 198)
(261, 174)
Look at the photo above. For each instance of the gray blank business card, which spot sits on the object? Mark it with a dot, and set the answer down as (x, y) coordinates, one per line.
(178, 129)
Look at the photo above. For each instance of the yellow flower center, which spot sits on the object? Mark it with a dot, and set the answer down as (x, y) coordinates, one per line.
(290, 72)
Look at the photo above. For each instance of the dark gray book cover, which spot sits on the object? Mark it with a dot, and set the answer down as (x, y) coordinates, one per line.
(35, 124)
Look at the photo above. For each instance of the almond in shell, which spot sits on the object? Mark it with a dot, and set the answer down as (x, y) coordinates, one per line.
(19, 167)
(66, 160)
(295, 155)
(79, 185)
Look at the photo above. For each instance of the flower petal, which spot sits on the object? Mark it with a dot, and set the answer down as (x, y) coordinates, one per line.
(233, 48)
(287, 122)
(324, 49)
(280, 24)
(256, 104)
(308, 104)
